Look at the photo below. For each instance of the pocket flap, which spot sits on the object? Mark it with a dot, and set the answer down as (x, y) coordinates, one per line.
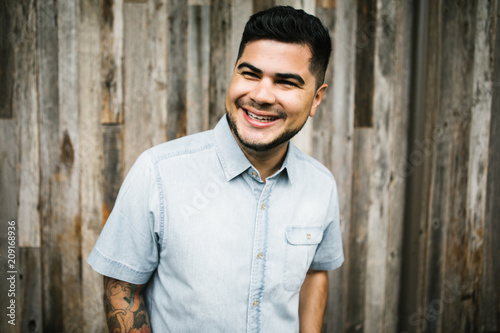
(304, 235)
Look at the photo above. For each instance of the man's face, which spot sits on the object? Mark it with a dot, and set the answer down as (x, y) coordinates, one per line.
(272, 93)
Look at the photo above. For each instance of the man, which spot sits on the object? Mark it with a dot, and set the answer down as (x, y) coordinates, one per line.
(233, 229)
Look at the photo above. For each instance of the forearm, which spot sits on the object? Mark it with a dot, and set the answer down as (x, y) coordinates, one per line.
(312, 301)
(125, 308)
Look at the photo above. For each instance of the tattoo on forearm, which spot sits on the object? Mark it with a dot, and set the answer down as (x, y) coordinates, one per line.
(125, 308)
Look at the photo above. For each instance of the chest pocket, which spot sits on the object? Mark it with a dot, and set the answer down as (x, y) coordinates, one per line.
(301, 244)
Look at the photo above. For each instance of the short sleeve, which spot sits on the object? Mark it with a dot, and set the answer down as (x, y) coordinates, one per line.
(127, 248)
(329, 254)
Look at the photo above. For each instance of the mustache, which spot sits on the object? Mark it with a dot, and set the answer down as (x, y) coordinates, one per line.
(260, 107)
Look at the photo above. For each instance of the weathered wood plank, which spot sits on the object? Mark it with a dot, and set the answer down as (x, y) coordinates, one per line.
(9, 189)
(7, 41)
(457, 100)
(68, 172)
(356, 263)
(366, 29)
(19, 159)
(111, 59)
(112, 167)
(49, 162)
(91, 156)
(29, 296)
(177, 66)
(220, 58)
(334, 145)
(136, 84)
(26, 115)
(489, 293)
(398, 148)
(155, 117)
(304, 139)
(198, 66)
(383, 109)
(241, 10)
(480, 101)
(416, 167)
(323, 129)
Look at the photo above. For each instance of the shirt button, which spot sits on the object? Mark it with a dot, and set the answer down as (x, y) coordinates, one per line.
(255, 303)
(259, 256)
(254, 174)
(308, 236)
(263, 206)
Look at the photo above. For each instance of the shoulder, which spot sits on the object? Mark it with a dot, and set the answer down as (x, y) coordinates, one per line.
(187, 145)
(311, 169)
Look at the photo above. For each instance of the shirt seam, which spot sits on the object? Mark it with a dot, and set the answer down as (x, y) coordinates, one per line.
(161, 198)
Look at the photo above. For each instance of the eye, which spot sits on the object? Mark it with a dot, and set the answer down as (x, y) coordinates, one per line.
(250, 75)
(287, 83)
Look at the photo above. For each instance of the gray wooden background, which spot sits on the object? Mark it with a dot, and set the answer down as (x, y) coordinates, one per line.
(408, 127)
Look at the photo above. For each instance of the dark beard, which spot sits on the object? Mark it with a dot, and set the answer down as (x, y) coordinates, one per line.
(284, 137)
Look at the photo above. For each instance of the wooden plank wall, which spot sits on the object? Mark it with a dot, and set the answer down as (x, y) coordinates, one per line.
(409, 127)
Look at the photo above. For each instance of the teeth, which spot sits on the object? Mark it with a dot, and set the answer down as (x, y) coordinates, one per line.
(260, 118)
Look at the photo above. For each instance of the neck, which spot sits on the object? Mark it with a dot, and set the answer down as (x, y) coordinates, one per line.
(266, 162)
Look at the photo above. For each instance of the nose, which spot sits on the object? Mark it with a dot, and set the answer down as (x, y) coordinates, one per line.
(263, 92)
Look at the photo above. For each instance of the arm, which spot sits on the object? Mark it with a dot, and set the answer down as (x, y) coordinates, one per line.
(312, 301)
(124, 307)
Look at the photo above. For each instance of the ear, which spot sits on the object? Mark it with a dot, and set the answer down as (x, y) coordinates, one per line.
(318, 97)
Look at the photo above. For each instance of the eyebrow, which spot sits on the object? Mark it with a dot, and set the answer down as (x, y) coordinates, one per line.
(285, 76)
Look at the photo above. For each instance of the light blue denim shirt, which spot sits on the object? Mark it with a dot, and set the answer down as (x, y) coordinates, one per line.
(221, 250)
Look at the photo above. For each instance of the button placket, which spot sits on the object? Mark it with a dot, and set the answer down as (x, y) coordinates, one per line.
(259, 262)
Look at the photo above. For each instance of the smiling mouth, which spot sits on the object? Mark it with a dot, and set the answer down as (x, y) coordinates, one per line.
(265, 119)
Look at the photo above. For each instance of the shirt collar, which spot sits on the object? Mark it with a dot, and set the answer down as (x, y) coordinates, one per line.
(233, 160)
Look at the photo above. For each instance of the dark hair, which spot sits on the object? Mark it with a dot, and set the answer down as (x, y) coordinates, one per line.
(289, 25)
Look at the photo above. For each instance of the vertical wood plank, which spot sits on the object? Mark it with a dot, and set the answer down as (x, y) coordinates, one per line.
(7, 43)
(333, 141)
(68, 171)
(155, 121)
(112, 137)
(9, 189)
(19, 168)
(398, 148)
(241, 12)
(457, 96)
(480, 101)
(111, 58)
(382, 109)
(49, 163)
(304, 139)
(198, 68)
(29, 294)
(489, 293)
(135, 84)
(91, 156)
(415, 167)
(358, 230)
(366, 29)
(177, 68)
(220, 57)
(26, 114)
(447, 217)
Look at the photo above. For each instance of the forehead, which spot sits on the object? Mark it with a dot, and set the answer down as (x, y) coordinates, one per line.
(277, 57)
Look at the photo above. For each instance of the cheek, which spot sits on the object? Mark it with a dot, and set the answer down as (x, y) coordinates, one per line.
(239, 88)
